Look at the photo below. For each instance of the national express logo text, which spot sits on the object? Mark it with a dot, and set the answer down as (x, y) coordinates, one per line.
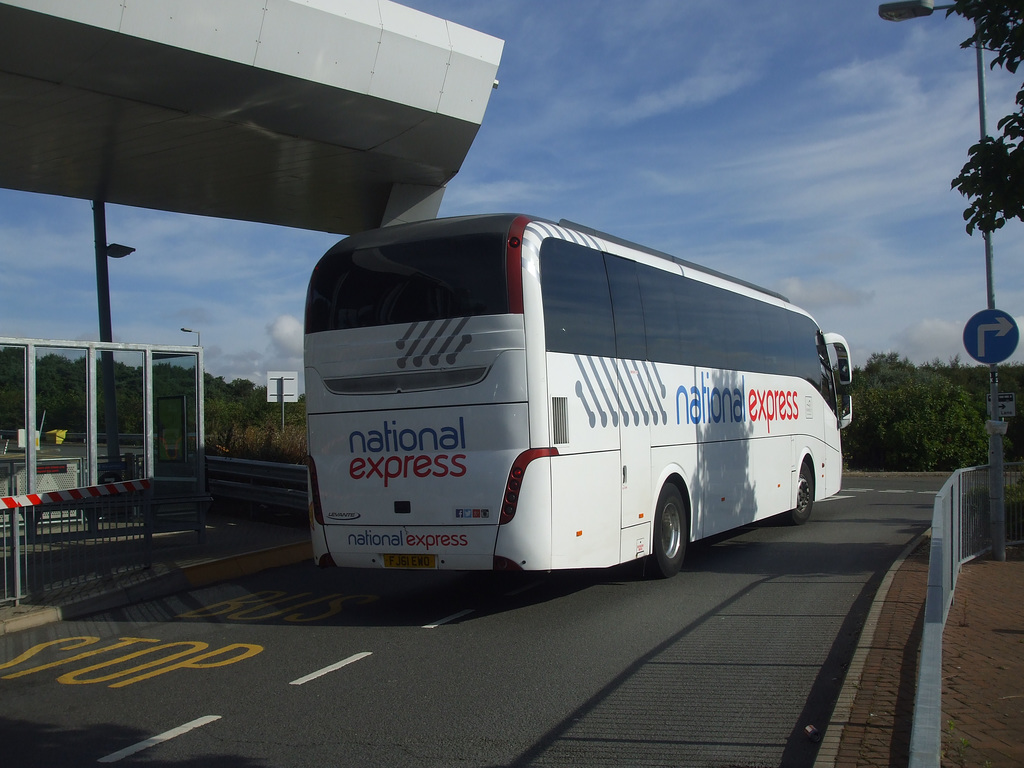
(402, 538)
(723, 405)
(393, 452)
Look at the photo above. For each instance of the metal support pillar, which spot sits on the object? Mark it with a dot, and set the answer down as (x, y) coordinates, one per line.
(99, 223)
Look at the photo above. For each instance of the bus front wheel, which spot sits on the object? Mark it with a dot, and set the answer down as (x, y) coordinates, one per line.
(801, 513)
(670, 533)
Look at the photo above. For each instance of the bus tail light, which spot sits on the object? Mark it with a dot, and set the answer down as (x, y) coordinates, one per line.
(316, 512)
(514, 264)
(515, 480)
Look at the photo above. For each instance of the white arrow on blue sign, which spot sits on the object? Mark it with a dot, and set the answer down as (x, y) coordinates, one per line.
(991, 336)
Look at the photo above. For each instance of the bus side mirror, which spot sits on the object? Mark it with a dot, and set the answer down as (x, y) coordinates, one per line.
(842, 351)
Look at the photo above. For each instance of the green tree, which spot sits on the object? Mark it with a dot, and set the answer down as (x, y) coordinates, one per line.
(993, 177)
(912, 419)
(242, 424)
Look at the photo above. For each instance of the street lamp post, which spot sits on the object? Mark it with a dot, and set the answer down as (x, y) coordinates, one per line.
(911, 9)
(199, 341)
(104, 251)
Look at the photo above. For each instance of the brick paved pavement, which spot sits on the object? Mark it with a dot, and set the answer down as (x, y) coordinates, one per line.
(983, 670)
(877, 731)
(983, 666)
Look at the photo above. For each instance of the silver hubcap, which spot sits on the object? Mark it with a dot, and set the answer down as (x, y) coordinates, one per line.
(803, 495)
(671, 530)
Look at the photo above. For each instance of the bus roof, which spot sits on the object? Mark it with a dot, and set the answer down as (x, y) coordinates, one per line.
(470, 224)
(583, 228)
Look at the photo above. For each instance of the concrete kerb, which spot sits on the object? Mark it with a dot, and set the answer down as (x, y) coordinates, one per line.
(179, 579)
(828, 753)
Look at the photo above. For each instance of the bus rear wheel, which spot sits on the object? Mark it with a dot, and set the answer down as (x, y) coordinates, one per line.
(670, 533)
(801, 513)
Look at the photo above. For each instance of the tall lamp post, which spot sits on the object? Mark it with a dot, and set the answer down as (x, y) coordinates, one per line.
(912, 9)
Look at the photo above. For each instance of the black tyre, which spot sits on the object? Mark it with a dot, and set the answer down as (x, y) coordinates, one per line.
(801, 513)
(671, 531)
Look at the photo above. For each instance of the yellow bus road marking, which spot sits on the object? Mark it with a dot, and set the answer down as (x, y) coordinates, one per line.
(327, 670)
(199, 722)
(124, 642)
(271, 603)
(161, 659)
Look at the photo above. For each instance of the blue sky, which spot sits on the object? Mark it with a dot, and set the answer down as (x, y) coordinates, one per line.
(806, 146)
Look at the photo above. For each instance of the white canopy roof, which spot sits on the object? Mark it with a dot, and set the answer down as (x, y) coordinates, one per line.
(336, 115)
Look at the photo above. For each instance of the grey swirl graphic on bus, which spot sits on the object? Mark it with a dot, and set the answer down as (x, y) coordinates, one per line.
(629, 390)
(433, 333)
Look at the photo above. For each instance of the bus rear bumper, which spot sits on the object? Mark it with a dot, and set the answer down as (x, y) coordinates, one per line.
(451, 548)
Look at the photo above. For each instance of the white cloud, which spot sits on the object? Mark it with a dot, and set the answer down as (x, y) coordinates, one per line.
(286, 336)
(812, 294)
(930, 339)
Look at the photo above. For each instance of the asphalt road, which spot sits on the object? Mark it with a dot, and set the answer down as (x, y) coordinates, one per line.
(724, 665)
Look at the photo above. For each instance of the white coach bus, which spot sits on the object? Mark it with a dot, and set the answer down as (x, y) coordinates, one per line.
(505, 393)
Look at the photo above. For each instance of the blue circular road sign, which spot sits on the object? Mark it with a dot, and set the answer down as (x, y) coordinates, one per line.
(991, 336)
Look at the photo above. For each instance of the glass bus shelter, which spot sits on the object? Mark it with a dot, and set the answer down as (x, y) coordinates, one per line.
(78, 413)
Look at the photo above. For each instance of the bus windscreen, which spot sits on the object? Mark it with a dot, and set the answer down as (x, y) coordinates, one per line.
(407, 282)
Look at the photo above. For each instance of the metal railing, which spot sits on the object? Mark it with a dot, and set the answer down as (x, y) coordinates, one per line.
(263, 482)
(59, 541)
(960, 532)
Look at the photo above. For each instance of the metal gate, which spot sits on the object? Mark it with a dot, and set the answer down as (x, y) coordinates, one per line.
(60, 541)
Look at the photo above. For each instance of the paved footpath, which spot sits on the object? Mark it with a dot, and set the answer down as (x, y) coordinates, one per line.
(983, 670)
(876, 732)
(983, 666)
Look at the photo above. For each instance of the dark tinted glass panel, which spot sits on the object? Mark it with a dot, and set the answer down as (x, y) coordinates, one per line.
(409, 282)
(577, 305)
(691, 322)
(806, 352)
(747, 338)
(826, 381)
(694, 307)
(776, 339)
(718, 328)
(628, 310)
(658, 289)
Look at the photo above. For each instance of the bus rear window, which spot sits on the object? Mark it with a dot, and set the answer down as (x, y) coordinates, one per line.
(409, 282)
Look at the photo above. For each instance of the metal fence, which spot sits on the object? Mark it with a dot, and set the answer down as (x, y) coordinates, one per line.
(961, 530)
(263, 482)
(59, 541)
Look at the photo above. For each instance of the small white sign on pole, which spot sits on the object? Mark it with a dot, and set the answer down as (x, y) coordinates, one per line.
(1007, 404)
(282, 386)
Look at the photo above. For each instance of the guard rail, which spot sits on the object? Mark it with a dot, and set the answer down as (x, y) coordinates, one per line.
(960, 532)
(262, 482)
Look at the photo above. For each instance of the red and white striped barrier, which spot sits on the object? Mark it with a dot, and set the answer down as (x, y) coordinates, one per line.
(75, 494)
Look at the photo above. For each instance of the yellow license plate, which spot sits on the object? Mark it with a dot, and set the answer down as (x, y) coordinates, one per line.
(410, 561)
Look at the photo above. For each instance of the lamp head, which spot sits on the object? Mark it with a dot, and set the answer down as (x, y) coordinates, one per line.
(907, 9)
(118, 251)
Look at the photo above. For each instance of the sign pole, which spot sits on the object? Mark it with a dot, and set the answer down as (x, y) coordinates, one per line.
(282, 387)
(990, 337)
(997, 504)
(996, 426)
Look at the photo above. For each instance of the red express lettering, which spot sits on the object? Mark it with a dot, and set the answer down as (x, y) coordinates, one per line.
(428, 540)
(772, 405)
(388, 468)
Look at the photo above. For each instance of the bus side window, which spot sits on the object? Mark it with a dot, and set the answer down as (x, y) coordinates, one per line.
(660, 316)
(577, 305)
(627, 308)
